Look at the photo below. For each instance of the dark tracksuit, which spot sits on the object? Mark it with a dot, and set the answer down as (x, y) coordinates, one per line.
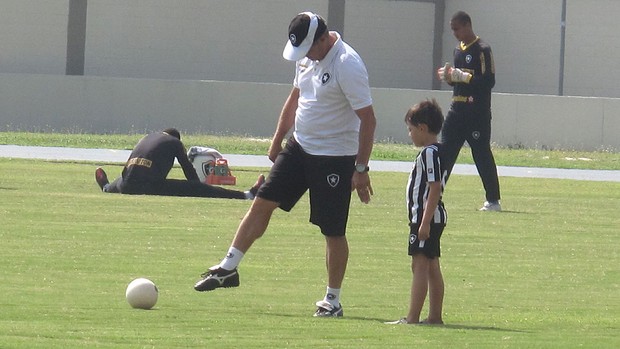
(149, 164)
(469, 118)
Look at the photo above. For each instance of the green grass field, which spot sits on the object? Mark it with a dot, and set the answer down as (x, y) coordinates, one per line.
(543, 274)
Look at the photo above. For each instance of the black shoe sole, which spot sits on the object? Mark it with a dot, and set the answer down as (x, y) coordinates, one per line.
(208, 284)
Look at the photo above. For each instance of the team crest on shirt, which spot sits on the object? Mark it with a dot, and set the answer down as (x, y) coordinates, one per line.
(325, 78)
(333, 180)
(429, 170)
(468, 58)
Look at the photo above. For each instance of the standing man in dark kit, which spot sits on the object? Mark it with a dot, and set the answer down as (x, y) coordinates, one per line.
(469, 119)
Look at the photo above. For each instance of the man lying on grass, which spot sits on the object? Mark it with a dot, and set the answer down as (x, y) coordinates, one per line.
(149, 164)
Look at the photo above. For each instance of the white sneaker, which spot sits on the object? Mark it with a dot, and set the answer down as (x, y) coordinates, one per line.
(325, 309)
(491, 206)
(402, 321)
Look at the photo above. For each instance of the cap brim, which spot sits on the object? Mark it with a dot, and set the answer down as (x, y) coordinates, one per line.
(293, 53)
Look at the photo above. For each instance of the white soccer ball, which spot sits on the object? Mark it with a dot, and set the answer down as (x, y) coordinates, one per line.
(141, 293)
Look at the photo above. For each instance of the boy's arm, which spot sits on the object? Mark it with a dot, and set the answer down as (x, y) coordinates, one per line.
(434, 192)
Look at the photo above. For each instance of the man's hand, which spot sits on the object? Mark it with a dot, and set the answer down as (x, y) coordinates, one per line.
(457, 75)
(361, 183)
(451, 75)
(274, 150)
(442, 73)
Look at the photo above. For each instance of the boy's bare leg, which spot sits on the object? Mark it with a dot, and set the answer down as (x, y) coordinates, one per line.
(419, 287)
(435, 293)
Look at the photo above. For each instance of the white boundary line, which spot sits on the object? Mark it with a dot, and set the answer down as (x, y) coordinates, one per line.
(120, 156)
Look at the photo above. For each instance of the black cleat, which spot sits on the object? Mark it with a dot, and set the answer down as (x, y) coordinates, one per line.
(217, 277)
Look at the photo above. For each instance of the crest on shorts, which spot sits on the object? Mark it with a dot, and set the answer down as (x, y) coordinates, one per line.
(468, 58)
(333, 180)
(475, 134)
(412, 238)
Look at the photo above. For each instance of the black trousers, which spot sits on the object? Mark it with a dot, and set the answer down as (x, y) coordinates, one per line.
(173, 187)
(475, 128)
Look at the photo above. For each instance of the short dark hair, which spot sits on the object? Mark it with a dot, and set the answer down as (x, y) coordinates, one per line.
(173, 132)
(320, 29)
(462, 17)
(427, 112)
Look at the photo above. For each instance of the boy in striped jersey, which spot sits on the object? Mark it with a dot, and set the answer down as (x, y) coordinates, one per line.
(427, 215)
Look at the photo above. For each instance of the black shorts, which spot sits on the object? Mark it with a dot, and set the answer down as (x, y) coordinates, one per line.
(430, 247)
(328, 179)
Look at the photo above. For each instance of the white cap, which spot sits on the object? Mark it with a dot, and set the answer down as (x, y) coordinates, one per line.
(301, 34)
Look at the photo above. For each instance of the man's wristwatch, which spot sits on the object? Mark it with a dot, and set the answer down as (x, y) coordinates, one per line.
(361, 168)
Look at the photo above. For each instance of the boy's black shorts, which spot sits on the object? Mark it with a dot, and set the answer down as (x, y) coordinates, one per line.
(328, 178)
(431, 247)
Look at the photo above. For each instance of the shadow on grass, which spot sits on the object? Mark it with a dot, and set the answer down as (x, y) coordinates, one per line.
(509, 211)
(480, 328)
(445, 326)
(503, 211)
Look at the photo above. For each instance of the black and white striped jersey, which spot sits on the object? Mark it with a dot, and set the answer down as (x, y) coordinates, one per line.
(427, 168)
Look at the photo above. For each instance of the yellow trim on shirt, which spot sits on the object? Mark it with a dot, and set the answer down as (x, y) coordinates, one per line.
(464, 47)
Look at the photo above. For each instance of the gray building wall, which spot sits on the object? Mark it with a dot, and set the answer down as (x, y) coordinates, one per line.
(591, 50)
(146, 64)
(33, 34)
(395, 40)
(232, 40)
(241, 40)
(119, 105)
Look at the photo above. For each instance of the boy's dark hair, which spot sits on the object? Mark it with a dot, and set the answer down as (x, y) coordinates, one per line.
(173, 132)
(427, 112)
(462, 17)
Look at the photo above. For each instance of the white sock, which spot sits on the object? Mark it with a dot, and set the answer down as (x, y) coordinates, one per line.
(249, 195)
(332, 296)
(232, 259)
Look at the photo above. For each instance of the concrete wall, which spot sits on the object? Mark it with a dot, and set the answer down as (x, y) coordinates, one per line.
(215, 40)
(591, 33)
(144, 62)
(395, 40)
(122, 105)
(34, 36)
(241, 40)
(232, 40)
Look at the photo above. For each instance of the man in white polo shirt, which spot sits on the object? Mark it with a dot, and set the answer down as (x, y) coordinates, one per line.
(331, 110)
